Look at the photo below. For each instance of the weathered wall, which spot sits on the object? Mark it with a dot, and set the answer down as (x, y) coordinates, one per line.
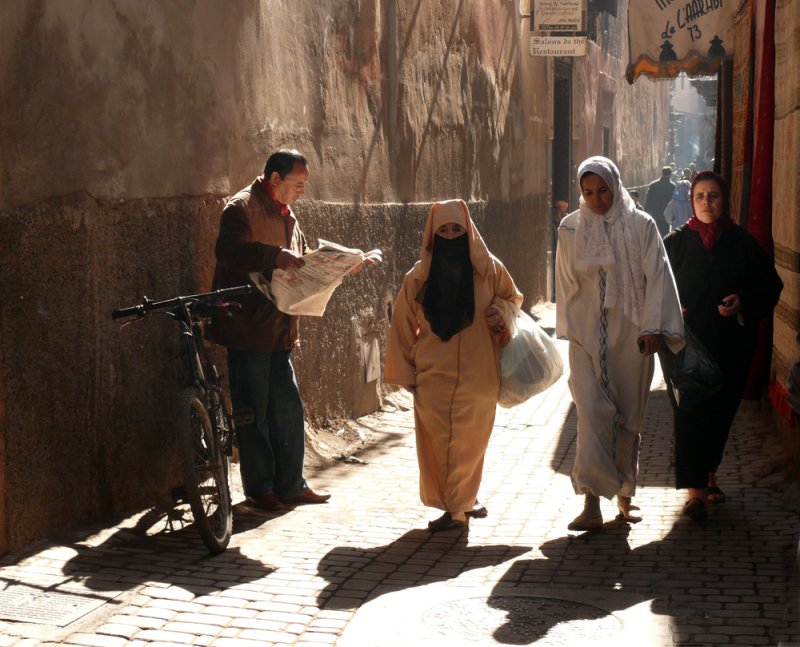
(786, 205)
(130, 122)
(637, 114)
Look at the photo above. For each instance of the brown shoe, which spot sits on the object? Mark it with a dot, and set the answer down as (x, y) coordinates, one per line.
(308, 496)
(266, 501)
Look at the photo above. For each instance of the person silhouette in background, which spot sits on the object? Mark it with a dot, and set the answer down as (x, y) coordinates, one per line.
(679, 209)
(659, 193)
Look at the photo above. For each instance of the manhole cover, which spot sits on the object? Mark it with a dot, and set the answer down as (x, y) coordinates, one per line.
(516, 620)
(28, 604)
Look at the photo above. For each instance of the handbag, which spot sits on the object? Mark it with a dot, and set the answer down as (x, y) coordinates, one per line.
(529, 363)
(691, 374)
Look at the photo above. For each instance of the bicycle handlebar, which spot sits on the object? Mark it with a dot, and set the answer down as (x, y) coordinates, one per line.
(147, 306)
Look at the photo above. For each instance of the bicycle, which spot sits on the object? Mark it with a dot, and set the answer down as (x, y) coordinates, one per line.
(205, 426)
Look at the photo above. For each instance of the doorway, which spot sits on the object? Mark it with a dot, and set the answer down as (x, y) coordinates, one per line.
(561, 157)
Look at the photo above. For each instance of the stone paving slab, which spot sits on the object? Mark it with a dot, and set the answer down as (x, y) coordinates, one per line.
(362, 569)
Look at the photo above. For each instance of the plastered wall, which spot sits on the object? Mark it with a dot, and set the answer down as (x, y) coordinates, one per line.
(128, 125)
(786, 213)
(125, 126)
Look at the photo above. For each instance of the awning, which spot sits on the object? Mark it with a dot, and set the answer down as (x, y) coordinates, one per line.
(667, 37)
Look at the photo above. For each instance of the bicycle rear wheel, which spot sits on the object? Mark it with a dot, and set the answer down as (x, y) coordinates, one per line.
(205, 472)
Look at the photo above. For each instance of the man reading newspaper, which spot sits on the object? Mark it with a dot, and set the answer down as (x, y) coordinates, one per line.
(259, 233)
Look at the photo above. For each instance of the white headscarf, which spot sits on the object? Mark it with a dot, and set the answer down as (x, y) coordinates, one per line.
(609, 241)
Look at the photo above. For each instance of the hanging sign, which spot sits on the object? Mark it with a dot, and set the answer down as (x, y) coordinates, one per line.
(557, 15)
(667, 36)
(558, 46)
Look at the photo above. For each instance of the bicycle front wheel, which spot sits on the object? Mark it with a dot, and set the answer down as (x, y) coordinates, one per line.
(205, 472)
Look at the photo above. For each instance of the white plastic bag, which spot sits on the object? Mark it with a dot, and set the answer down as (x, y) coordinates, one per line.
(529, 363)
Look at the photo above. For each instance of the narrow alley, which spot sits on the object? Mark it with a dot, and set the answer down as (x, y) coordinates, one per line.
(362, 571)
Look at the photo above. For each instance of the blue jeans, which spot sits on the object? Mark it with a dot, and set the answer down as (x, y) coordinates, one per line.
(269, 422)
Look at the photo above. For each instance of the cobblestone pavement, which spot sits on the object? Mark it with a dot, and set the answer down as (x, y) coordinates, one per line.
(363, 571)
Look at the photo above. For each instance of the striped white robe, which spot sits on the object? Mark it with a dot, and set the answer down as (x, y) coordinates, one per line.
(609, 378)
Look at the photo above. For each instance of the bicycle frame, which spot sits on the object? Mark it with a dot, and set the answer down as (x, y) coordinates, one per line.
(203, 374)
(205, 428)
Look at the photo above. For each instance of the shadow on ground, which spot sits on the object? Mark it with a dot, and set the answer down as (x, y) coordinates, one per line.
(160, 548)
(418, 557)
(706, 559)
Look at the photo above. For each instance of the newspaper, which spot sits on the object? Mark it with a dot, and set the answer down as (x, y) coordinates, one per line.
(306, 290)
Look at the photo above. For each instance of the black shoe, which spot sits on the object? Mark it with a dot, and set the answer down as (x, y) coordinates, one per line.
(478, 511)
(445, 522)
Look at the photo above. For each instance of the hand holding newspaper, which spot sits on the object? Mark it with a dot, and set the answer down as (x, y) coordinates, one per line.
(306, 290)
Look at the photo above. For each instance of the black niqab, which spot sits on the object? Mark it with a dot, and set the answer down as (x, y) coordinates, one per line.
(448, 296)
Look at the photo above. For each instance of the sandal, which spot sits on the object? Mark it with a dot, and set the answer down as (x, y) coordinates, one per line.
(627, 511)
(586, 521)
(591, 518)
(714, 494)
(695, 509)
(445, 522)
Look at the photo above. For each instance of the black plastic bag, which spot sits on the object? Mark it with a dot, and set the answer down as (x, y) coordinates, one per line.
(691, 374)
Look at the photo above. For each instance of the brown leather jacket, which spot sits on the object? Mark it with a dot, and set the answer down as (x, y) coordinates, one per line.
(251, 233)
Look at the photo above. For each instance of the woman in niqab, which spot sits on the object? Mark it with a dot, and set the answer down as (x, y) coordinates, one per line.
(451, 317)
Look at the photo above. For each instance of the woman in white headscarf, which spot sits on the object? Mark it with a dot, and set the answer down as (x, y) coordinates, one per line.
(617, 303)
(450, 319)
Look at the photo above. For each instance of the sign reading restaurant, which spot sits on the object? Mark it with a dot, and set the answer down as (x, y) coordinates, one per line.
(558, 46)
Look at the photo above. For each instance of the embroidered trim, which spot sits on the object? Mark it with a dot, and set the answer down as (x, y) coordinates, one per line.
(666, 333)
(603, 347)
(603, 352)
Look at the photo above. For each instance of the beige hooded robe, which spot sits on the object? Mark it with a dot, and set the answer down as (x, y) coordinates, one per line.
(456, 383)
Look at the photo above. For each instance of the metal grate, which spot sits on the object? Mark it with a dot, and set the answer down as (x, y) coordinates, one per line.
(22, 603)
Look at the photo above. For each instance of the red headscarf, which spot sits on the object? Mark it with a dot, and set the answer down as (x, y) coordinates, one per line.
(710, 231)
